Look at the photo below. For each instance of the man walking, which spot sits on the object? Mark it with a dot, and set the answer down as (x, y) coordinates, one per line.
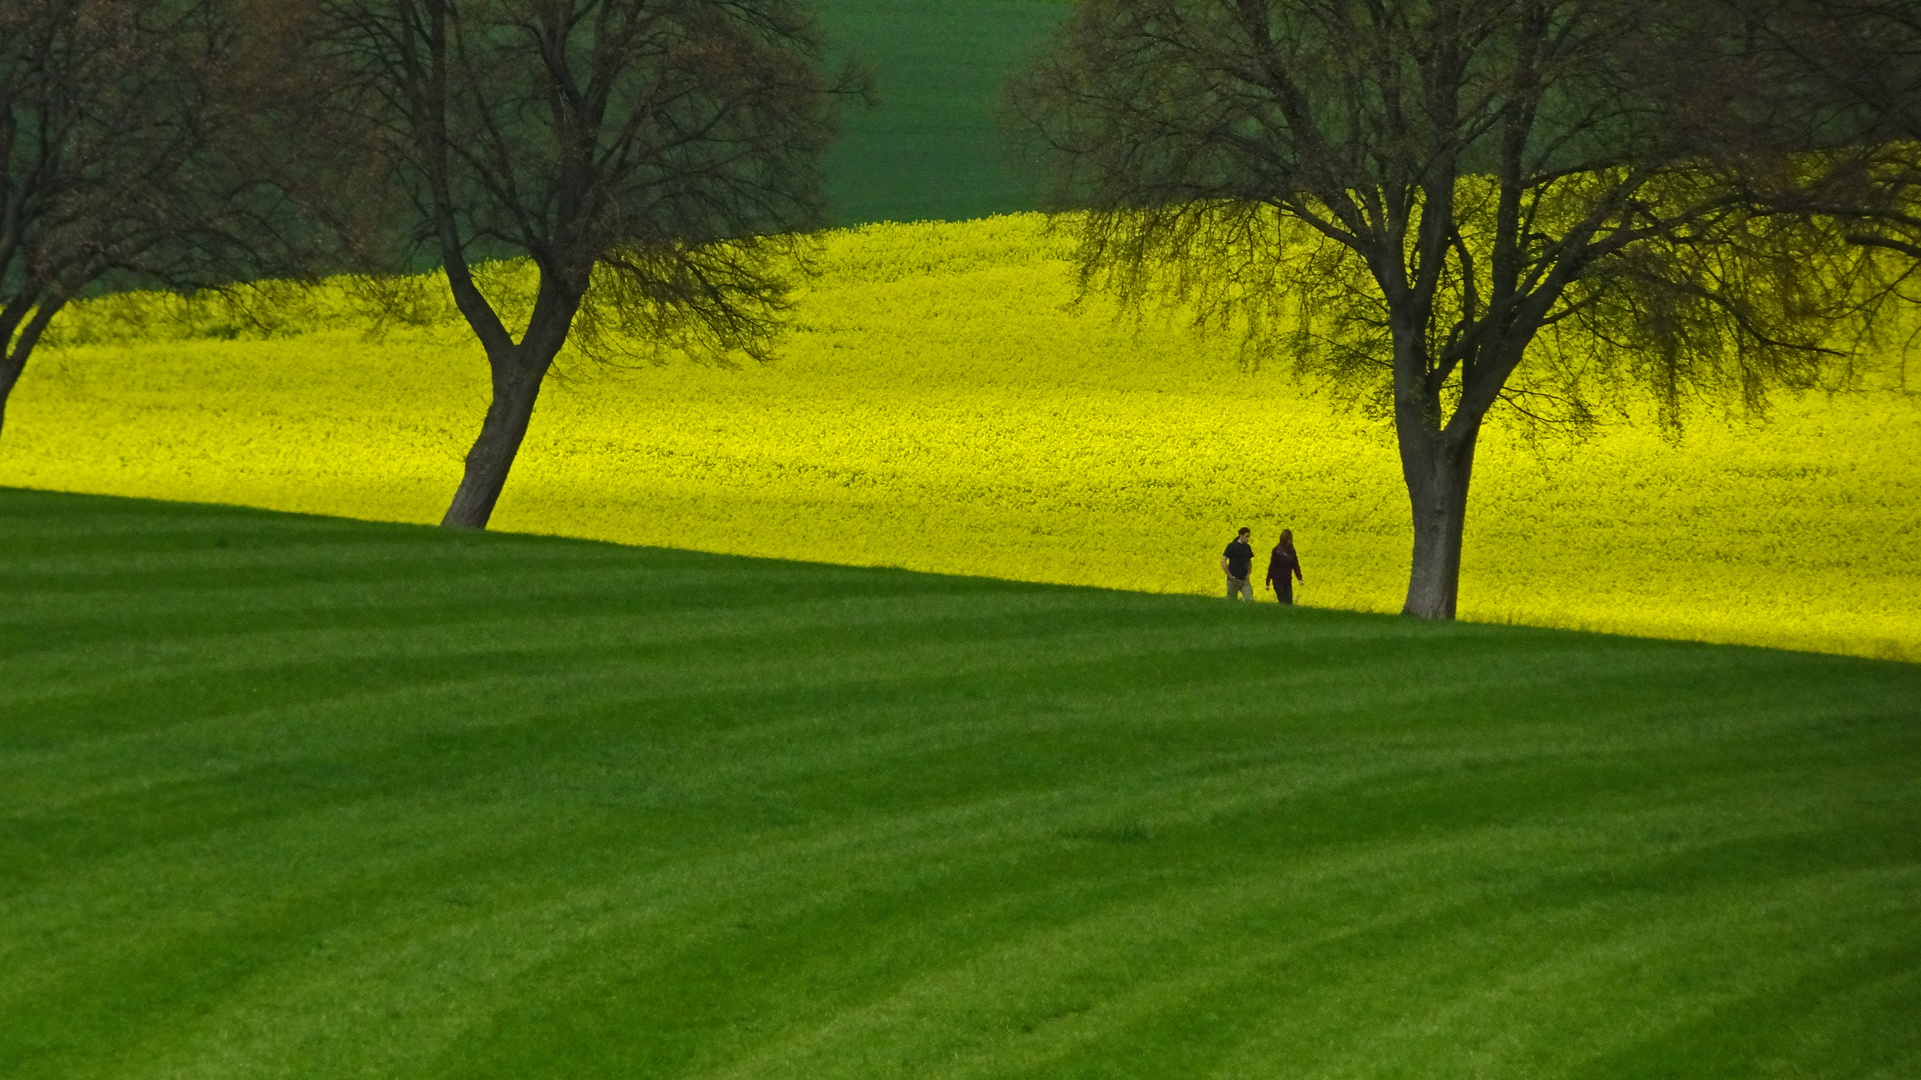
(1238, 562)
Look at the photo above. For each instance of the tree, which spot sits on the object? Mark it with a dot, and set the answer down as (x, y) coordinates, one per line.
(131, 142)
(648, 153)
(1451, 205)
(1848, 74)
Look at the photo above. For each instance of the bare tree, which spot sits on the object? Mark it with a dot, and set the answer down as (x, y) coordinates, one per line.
(1845, 78)
(651, 152)
(131, 142)
(1453, 205)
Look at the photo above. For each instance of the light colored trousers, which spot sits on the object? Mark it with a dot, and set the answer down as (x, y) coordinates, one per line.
(1243, 586)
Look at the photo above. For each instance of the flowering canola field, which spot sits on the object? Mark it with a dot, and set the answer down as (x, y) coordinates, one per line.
(941, 405)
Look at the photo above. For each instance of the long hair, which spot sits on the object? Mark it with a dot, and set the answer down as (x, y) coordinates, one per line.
(1287, 540)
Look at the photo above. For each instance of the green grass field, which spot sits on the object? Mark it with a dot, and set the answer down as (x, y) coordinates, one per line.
(304, 797)
(931, 149)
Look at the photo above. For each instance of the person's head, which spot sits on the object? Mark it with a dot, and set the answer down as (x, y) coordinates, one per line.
(1243, 535)
(1287, 538)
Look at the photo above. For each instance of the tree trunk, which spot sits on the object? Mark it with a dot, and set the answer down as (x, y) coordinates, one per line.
(517, 377)
(10, 369)
(1437, 466)
(14, 351)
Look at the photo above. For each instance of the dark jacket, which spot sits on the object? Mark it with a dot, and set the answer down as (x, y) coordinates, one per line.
(1281, 562)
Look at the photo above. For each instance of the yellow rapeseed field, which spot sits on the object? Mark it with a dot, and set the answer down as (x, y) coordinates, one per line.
(940, 406)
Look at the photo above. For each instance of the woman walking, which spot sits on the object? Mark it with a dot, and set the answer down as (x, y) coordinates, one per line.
(1283, 567)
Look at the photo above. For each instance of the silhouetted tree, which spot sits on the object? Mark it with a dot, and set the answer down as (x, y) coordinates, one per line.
(134, 143)
(653, 152)
(1450, 204)
(1845, 78)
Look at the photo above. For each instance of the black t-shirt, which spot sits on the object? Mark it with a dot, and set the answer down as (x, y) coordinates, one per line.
(1240, 559)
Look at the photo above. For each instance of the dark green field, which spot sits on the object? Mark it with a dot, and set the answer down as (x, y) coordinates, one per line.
(931, 150)
(299, 797)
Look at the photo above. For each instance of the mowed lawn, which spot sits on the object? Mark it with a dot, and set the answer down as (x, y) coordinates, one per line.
(303, 797)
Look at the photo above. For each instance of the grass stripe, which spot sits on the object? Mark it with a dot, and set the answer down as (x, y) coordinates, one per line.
(357, 800)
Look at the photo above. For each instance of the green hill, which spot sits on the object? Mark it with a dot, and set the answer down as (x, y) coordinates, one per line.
(930, 150)
(304, 797)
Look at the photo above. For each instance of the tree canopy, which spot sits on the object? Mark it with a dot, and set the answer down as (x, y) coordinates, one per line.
(652, 153)
(1453, 205)
(1844, 76)
(134, 139)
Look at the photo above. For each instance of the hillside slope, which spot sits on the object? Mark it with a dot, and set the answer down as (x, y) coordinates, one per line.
(931, 149)
(301, 797)
(939, 407)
